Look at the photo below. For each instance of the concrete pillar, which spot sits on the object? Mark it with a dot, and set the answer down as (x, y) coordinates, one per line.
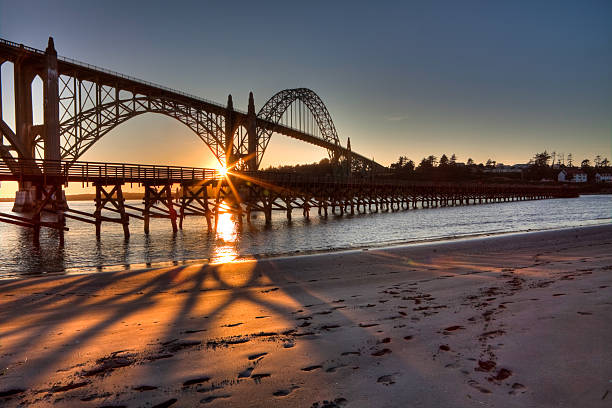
(251, 126)
(24, 74)
(230, 128)
(51, 135)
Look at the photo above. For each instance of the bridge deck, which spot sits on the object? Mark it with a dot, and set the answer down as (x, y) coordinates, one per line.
(49, 171)
(62, 172)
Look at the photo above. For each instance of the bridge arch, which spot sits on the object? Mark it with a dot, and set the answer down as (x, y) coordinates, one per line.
(274, 109)
(81, 131)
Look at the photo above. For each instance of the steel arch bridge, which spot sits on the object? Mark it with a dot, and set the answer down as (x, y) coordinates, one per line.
(82, 103)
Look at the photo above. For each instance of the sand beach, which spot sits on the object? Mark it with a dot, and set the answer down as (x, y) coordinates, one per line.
(520, 320)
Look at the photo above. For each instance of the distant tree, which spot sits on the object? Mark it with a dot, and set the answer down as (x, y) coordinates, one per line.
(553, 155)
(453, 159)
(470, 162)
(398, 164)
(597, 161)
(541, 159)
(490, 163)
(605, 162)
(570, 160)
(444, 161)
(427, 162)
(586, 163)
(402, 164)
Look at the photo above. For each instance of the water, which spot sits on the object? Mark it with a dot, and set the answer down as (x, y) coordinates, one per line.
(83, 253)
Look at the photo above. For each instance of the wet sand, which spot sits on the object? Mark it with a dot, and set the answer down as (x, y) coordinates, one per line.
(520, 320)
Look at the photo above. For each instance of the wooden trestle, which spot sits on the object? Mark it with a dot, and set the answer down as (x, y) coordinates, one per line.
(205, 193)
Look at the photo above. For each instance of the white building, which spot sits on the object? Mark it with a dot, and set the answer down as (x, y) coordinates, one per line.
(603, 178)
(573, 176)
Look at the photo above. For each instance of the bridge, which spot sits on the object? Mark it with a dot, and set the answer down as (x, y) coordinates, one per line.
(82, 103)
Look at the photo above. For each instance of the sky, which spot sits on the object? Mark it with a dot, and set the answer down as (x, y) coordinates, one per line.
(481, 79)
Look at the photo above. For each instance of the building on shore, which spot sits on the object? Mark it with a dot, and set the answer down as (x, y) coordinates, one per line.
(572, 176)
(603, 178)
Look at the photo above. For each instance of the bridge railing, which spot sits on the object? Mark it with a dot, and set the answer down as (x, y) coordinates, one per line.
(64, 171)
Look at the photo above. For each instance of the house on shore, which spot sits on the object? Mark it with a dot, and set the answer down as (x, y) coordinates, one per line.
(603, 178)
(572, 176)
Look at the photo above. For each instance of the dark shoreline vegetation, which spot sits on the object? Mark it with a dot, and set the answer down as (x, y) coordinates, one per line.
(537, 171)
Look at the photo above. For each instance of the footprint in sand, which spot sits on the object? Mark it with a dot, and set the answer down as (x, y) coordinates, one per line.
(485, 365)
(257, 377)
(166, 404)
(194, 331)
(210, 399)
(232, 325)
(480, 388)
(195, 381)
(246, 372)
(68, 387)
(337, 403)
(144, 388)
(310, 368)
(518, 387)
(386, 380)
(256, 356)
(285, 392)
(501, 375)
(382, 352)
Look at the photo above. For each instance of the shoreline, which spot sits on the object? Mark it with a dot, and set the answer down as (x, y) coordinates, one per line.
(514, 320)
(85, 270)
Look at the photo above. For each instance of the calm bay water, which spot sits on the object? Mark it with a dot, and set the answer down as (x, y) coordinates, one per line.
(83, 253)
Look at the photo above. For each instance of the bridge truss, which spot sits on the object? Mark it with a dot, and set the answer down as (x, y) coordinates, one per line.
(83, 103)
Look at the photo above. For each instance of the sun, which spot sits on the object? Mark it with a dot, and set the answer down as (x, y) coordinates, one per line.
(222, 171)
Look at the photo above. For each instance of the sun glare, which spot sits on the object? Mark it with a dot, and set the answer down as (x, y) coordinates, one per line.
(222, 171)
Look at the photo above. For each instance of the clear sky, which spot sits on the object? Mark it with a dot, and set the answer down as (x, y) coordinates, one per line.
(481, 79)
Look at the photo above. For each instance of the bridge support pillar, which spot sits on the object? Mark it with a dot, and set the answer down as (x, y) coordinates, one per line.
(251, 126)
(288, 207)
(230, 129)
(163, 196)
(25, 198)
(51, 130)
(117, 204)
(194, 201)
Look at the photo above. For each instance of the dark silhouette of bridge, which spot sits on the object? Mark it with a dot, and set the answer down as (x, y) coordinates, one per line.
(82, 103)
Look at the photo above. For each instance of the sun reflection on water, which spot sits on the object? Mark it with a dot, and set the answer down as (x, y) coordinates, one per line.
(227, 239)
